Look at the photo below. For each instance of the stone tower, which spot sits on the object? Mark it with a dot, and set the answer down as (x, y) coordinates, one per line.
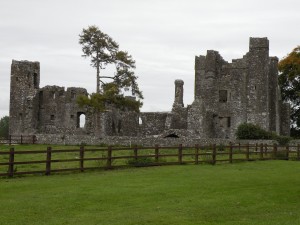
(24, 86)
(258, 82)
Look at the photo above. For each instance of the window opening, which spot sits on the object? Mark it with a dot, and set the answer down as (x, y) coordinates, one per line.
(52, 94)
(35, 80)
(80, 120)
(225, 122)
(223, 95)
(140, 121)
(73, 94)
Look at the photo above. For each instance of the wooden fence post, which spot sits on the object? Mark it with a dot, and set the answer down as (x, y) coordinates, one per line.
(109, 155)
(287, 152)
(156, 153)
(135, 151)
(266, 150)
(196, 154)
(180, 154)
(214, 155)
(48, 161)
(256, 148)
(274, 151)
(33, 139)
(230, 152)
(247, 152)
(261, 151)
(21, 139)
(298, 152)
(81, 158)
(11, 162)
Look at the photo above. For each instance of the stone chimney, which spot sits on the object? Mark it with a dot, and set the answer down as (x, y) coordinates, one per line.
(178, 101)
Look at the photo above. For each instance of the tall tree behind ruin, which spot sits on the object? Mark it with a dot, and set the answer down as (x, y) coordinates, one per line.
(289, 82)
(103, 50)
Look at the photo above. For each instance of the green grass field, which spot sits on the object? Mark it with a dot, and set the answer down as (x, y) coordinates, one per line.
(262, 192)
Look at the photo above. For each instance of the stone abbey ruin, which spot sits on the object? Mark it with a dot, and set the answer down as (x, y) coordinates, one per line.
(226, 95)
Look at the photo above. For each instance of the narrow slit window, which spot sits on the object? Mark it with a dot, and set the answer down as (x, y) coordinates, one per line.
(35, 80)
(73, 95)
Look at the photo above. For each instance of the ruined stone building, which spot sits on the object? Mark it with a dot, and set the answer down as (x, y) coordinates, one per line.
(226, 95)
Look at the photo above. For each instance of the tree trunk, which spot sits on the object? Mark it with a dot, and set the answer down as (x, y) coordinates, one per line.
(98, 78)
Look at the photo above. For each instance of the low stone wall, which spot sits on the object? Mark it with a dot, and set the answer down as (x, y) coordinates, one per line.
(140, 141)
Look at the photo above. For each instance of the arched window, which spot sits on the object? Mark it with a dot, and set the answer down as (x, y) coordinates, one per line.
(80, 120)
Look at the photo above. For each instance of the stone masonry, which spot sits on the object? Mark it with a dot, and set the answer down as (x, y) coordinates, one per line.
(226, 95)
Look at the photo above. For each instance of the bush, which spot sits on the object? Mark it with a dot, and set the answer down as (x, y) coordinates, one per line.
(255, 132)
(221, 148)
(252, 131)
(145, 161)
(282, 140)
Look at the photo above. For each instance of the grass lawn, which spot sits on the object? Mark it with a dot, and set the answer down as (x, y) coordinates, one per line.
(264, 192)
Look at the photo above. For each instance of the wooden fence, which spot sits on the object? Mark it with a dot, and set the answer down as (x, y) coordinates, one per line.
(138, 156)
(18, 139)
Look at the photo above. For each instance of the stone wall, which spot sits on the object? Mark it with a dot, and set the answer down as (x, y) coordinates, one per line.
(24, 85)
(140, 141)
(244, 91)
(153, 123)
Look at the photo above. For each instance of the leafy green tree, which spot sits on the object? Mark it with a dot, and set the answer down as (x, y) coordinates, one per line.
(103, 51)
(289, 82)
(4, 125)
(110, 97)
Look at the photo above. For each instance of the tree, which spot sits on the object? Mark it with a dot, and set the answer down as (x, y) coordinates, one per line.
(289, 82)
(103, 50)
(4, 122)
(110, 97)
(100, 47)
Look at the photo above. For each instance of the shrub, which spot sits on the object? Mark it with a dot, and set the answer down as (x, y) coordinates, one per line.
(221, 148)
(252, 131)
(282, 140)
(144, 161)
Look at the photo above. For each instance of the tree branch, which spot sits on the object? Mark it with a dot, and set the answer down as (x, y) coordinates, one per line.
(107, 77)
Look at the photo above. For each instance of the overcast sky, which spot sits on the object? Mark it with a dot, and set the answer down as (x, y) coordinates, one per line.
(163, 36)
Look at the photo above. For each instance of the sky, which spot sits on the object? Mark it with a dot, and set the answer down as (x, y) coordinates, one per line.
(163, 37)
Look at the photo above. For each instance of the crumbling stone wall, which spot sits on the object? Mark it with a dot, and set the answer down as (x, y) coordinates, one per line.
(228, 94)
(153, 123)
(58, 110)
(24, 86)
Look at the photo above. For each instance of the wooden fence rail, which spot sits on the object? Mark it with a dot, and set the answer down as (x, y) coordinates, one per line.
(135, 157)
